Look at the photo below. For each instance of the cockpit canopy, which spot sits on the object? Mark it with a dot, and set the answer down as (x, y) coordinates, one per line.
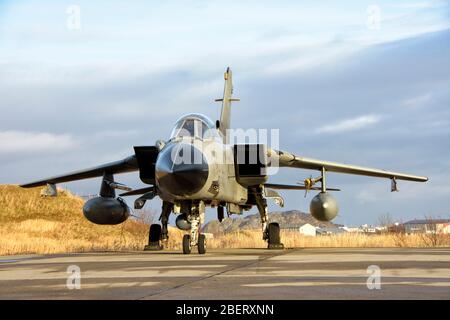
(195, 125)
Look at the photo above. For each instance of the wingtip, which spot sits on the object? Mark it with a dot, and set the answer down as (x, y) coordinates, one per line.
(25, 186)
(32, 185)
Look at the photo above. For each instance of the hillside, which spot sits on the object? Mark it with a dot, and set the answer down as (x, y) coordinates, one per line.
(293, 217)
(32, 224)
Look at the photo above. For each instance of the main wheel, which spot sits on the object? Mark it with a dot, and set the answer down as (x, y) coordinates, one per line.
(187, 244)
(154, 237)
(155, 233)
(274, 233)
(201, 246)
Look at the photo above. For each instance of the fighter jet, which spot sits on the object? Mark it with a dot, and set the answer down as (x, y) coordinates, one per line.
(198, 166)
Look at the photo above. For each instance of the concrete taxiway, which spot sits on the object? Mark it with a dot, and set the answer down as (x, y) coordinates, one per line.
(231, 274)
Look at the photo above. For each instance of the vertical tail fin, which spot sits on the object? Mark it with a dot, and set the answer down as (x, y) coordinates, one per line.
(225, 115)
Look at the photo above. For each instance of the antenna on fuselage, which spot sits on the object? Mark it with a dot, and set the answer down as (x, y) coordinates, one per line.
(224, 123)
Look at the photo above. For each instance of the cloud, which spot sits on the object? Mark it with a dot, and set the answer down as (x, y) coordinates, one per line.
(350, 124)
(417, 101)
(417, 5)
(278, 38)
(120, 82)
(25, 142)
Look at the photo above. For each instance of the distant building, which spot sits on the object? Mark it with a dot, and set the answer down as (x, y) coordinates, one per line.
(381, 229)
(396, 228)
(303, 228)
(446, 228)
(365, 228)
(330, 231)
(307, 230)
(350, 229)
(427, 226)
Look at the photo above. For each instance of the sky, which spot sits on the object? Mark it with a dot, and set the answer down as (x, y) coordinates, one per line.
(360, 82)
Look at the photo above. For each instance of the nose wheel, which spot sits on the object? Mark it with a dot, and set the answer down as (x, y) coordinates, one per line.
(187, 247)
(201, 246)
(194, 238)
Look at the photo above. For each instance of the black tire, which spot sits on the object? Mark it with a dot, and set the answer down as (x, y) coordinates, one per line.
(274, 233)
(220, 213)
(155, 233)
(187, 244)
(201, 246)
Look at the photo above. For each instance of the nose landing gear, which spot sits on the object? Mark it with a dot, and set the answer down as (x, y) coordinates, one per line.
(187, 244)
(195, 238)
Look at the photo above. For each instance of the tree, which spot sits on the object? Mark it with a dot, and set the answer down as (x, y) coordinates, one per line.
(385, 221)
(430, 236)
(148, 216)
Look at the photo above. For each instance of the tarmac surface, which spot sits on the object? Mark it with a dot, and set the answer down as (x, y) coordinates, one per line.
(231, 274)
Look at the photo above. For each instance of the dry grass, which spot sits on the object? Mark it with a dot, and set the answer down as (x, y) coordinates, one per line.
(291, 239)
(32, 224)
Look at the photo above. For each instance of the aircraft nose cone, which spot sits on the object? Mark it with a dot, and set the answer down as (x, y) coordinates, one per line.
(181, 169)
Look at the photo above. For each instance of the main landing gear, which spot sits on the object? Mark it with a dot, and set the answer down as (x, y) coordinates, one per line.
(159, 234)
(270, 231)
(154, 238)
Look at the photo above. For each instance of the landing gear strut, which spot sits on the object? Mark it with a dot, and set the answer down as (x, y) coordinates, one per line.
(194, 238)
(167, 208)
(270, 231)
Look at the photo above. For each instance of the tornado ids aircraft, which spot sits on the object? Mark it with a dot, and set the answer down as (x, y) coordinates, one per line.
(199, 167)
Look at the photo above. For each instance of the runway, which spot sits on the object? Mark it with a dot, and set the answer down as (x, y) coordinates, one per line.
(231, 274)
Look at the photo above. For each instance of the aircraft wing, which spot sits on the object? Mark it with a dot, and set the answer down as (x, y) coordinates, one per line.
(291, 187)
(286, 159)
(126, 165)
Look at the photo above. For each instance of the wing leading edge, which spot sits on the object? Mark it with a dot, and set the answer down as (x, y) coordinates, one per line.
(122, 166)
(286, 159)
(293, 187)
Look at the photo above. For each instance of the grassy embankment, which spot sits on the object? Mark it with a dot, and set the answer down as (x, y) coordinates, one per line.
(33, 224)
